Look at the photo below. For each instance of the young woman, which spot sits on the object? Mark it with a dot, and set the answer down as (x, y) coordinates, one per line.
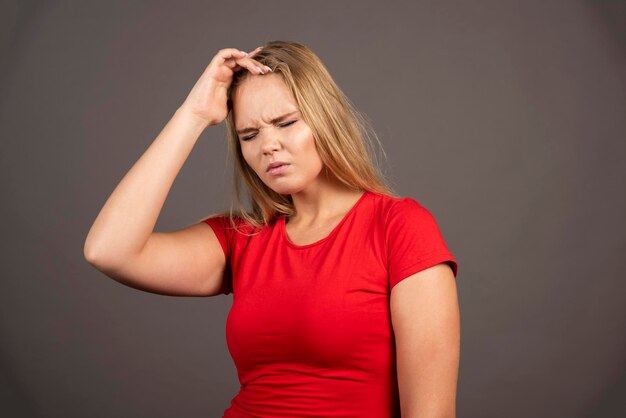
(344, 294)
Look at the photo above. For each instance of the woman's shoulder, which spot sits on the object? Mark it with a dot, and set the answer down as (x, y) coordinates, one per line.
(393, 209)
(389, 202)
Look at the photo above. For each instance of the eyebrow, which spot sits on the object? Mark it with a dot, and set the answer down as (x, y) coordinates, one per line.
(275, 120)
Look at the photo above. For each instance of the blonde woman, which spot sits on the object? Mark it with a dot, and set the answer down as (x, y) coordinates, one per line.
(344, 294)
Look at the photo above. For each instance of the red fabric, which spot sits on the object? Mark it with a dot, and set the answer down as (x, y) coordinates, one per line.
(309, 329)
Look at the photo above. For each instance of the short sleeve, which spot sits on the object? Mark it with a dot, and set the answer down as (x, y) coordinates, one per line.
(414, 241)
(221, 227)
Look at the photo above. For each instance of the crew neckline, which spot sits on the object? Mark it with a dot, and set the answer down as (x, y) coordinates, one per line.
(283, 227)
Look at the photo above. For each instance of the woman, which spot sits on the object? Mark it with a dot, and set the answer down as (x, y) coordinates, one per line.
(344, 295)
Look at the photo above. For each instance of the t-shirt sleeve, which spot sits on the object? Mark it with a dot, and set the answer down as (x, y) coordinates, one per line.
(223, 232)
(414, 241)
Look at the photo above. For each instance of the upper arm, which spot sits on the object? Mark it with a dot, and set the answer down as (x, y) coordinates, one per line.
(186, 262)
(426, 322)
(414, 241)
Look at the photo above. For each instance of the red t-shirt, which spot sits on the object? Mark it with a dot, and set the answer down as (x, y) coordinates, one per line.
(309, 329)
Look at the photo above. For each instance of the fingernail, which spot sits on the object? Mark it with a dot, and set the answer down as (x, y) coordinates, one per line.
(268, 68)
(260, 69)
(244, 52)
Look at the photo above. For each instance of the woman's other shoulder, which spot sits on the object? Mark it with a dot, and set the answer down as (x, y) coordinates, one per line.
(390, 204)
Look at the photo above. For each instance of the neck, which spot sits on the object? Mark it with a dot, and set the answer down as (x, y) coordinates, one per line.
(322, 202)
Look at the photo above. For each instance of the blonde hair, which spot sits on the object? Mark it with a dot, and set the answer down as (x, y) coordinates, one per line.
(343, 137)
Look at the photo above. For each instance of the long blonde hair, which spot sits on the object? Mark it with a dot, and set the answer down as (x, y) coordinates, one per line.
(343, 137)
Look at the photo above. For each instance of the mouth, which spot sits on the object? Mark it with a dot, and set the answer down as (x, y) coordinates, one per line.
(277, 168)
(275, 164)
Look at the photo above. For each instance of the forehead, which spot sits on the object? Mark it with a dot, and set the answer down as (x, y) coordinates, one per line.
(261, 98)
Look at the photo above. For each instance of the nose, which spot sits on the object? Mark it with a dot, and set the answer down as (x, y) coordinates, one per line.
(270, 142)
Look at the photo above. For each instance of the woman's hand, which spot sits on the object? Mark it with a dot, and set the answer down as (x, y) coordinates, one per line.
(208, 97)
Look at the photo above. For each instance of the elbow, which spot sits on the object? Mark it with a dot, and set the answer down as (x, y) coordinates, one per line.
(98, 252)
(95, 256)
(90, 247)
(99, 260)
(91, 250)
(89, 254)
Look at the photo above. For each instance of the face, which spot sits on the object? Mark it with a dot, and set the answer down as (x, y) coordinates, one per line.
(258, 103)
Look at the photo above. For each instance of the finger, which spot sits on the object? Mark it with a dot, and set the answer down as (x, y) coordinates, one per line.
(236, 60)
(265, 68)
(237, 64)
(232, 64)
(255, 51)
(228, 53)
(252, 65)
(227, 56)
(230, 59)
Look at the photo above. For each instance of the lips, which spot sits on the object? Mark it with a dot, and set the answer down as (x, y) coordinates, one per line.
(275, 164)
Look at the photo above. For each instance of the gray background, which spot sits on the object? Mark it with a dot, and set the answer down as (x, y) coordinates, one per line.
(505, 119)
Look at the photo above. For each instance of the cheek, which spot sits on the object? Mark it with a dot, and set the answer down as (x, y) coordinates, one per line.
(305, 143)
(311, 151)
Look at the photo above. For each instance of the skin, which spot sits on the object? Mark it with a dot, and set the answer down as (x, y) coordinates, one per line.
(426, 322)
(122, 242)
(320, 200)
(423, 307)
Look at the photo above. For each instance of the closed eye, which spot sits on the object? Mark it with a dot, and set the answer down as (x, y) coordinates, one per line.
(282, 126)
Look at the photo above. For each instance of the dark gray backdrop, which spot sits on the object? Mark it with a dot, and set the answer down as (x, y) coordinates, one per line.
(505, 119)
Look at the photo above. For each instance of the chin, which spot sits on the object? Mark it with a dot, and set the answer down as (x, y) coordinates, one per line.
(286, 188)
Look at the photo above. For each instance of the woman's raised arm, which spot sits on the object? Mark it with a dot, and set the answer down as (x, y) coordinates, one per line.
(121, 242)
